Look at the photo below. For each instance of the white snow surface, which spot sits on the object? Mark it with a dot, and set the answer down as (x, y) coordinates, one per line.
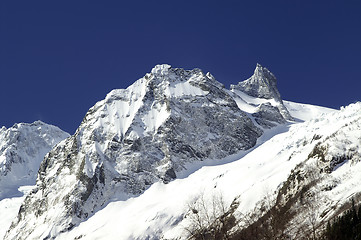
(305, 112)
(248, 177)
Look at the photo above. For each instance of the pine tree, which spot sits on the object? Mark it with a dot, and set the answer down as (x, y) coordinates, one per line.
(354, 213)
(347, 226)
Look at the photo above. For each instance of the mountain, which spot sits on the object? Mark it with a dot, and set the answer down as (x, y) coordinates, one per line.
(177, 146)
(22, 148)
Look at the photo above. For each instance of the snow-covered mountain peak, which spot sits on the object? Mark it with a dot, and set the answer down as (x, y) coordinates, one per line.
(22, 148)
(25, 133)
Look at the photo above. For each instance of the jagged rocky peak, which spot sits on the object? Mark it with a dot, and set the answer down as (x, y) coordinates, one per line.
(262, 84)
(22, 148)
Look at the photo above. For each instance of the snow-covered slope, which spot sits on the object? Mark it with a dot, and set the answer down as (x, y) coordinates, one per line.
(305, 112)
(329, 176)
(9, 208)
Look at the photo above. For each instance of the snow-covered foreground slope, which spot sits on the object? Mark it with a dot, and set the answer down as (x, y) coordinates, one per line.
(161, 211)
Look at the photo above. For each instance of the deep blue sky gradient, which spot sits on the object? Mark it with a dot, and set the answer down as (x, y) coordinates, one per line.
(58, 58)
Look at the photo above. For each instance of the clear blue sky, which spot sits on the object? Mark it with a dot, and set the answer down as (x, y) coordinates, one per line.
(58, 58)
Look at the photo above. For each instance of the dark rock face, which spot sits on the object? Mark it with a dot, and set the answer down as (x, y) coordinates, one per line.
(135, 137)
(267, 116)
